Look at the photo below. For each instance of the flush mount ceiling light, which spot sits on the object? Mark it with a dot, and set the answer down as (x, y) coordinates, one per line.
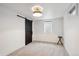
(37, 11)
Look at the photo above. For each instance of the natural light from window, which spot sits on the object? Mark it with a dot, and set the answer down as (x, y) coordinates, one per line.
(47, 27)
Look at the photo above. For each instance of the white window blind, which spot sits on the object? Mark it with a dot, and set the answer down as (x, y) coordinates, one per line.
(47, 27)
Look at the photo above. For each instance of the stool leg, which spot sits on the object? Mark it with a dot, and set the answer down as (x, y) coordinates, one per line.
(58, 42)
(61, 42)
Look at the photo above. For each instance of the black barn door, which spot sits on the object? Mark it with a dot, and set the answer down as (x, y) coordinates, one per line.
(28, 31)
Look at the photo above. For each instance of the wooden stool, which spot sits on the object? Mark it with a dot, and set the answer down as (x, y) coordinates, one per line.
(60, 37)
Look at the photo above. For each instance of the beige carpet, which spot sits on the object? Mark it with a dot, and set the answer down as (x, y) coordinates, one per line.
(40, 49)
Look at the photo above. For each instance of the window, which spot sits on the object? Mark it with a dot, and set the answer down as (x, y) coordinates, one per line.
(47, 27)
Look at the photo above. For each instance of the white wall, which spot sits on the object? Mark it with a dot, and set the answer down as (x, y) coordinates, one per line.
(71, 34)
(40, 35)
(12, 31)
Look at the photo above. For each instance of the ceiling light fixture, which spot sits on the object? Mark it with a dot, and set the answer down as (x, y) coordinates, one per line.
(37, 11)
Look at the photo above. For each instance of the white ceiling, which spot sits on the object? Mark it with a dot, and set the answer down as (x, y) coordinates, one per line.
(50, 10)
